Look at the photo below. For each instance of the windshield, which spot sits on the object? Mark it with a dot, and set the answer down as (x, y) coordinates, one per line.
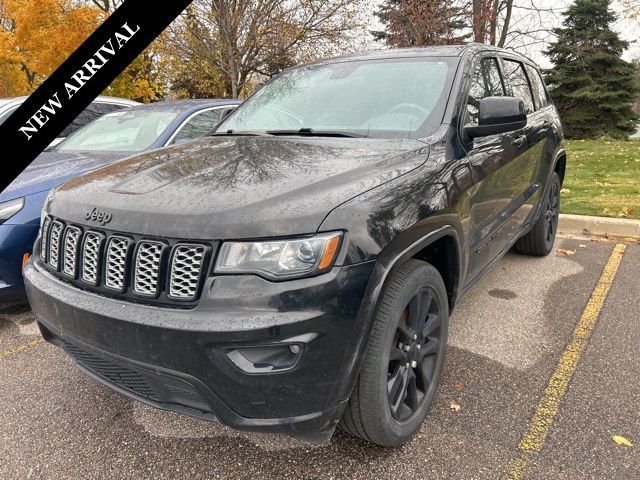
(122, 131)
(398, 98)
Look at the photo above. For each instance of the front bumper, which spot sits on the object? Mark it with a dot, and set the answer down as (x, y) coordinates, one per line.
(252, 354)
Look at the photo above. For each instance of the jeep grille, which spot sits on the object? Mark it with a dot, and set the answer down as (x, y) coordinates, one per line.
(157, 270)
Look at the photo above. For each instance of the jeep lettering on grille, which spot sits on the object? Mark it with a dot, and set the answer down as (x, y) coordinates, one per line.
(96, 215)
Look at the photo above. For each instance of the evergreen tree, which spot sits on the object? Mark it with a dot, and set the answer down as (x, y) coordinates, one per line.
(592, 86)
(414, 23)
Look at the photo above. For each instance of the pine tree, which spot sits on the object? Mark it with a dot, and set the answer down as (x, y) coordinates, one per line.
(414, 23)
(592, 86)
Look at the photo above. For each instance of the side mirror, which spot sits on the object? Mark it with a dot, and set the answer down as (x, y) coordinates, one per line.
(498, 115)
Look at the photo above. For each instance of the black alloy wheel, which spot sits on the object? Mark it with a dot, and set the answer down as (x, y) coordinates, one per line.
(413, 355)
(552, 212)
(404, 357)
(540, 239)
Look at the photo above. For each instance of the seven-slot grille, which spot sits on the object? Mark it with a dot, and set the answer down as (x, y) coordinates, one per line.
(120, 264)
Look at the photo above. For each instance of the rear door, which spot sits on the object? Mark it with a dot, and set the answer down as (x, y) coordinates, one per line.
(523, 186)
(545, 135)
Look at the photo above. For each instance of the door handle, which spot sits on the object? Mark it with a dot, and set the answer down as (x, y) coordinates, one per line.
(520, 141)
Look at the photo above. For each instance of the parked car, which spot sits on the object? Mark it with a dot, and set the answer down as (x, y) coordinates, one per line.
(297, 269)
(107, 139)
(100, 106)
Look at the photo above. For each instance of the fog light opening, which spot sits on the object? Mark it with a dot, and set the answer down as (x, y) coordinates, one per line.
(267, 358)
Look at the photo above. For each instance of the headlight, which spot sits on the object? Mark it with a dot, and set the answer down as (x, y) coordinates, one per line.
(10, 208)
(280, 259)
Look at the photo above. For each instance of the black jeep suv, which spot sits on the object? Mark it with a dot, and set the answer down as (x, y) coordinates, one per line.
(295, 270)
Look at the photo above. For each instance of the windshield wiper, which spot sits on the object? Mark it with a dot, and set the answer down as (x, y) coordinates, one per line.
(246, 133)
(310, 132)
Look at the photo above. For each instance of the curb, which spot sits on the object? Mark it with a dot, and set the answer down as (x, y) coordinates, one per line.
(585, 224)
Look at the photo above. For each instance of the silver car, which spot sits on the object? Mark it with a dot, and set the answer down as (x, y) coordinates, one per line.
(99, 107)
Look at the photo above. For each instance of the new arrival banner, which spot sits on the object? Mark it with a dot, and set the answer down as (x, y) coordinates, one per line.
(80, 79)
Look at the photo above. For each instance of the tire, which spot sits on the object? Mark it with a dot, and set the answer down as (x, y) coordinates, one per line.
(540, 239)
(413, 306)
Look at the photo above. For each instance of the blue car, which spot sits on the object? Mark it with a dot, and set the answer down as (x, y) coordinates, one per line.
(110, 138)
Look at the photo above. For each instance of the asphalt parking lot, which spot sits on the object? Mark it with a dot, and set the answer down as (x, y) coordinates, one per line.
(510, 335)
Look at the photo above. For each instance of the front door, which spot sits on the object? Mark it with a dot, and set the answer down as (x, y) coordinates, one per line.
(487, 158)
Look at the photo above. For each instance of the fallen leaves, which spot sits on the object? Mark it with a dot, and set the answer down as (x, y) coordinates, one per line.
(458, 386)
(564, 252)
(454, 407)
(625, 212)
(621, 441)
(565, 190)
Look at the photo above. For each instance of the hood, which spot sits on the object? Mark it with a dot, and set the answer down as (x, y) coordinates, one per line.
(52, 168)
(236, 186)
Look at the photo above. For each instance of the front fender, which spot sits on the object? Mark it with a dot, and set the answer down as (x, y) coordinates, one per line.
(390, 224)
(401, 249)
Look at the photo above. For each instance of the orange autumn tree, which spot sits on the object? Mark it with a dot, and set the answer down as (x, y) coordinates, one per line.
(36, 36)
(143, 80)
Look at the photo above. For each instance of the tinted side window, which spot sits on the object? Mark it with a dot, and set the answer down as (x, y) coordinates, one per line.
(486, 82)
(517, 80)
(197, 126)
(539, 92)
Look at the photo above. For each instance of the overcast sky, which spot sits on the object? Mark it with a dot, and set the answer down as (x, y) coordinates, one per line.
(526, 19)
(537, 22)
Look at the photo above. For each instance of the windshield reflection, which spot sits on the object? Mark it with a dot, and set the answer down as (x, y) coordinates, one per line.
(388, 98)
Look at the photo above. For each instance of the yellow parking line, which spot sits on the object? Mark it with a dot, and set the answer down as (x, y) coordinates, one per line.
(545, 413)
(20, 348)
